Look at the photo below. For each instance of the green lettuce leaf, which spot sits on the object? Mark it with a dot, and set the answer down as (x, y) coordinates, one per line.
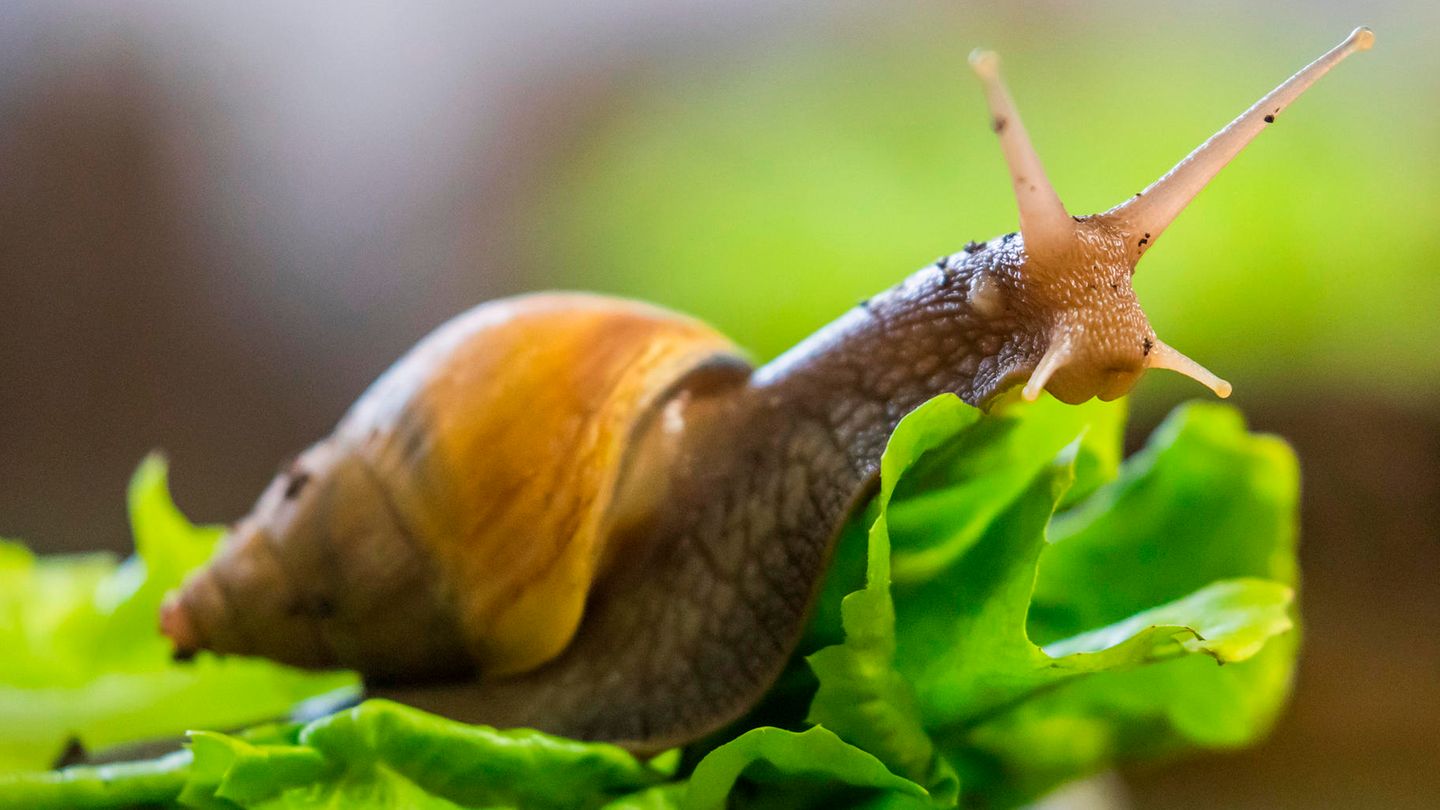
(124, 784)
(1015, 609)
(940, 668)
(85, 663)
(1204, 502)
(950, 474)
(382, 754)
(771, 767)
(861, 696)
(955, 485)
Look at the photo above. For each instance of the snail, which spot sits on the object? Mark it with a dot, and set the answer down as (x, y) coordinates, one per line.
(595, 517)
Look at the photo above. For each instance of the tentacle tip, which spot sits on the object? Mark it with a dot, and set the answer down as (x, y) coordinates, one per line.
(1223, 389)
(1361, 39)
(986, 64)
(1030, 393)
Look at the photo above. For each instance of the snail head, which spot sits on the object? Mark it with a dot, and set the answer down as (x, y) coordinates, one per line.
(1068, 277)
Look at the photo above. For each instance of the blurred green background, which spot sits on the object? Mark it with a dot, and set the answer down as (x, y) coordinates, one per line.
(770, 192)
(218, 224)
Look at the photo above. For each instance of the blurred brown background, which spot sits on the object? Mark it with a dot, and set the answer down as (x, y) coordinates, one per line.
(219, 222)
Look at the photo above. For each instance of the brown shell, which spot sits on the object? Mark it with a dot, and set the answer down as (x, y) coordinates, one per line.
(497, 446)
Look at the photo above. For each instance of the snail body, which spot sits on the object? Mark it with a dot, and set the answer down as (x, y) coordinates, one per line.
(596, 518)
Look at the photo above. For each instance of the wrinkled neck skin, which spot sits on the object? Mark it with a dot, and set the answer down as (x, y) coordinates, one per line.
(951, 327)
(702, 602)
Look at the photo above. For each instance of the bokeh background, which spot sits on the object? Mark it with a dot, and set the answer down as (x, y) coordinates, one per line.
(218, 222)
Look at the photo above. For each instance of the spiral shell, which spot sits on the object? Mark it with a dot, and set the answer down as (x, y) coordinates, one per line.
(456, 518)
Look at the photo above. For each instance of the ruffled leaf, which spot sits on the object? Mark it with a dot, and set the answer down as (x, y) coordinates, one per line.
(942, 666)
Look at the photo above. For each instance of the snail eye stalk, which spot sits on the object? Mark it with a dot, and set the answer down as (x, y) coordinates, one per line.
(1158, 205)
(1047, 228)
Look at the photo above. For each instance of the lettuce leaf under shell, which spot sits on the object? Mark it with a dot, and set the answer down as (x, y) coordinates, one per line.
(977, 647)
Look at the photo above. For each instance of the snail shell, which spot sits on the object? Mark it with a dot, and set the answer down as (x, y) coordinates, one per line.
(456, 518)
